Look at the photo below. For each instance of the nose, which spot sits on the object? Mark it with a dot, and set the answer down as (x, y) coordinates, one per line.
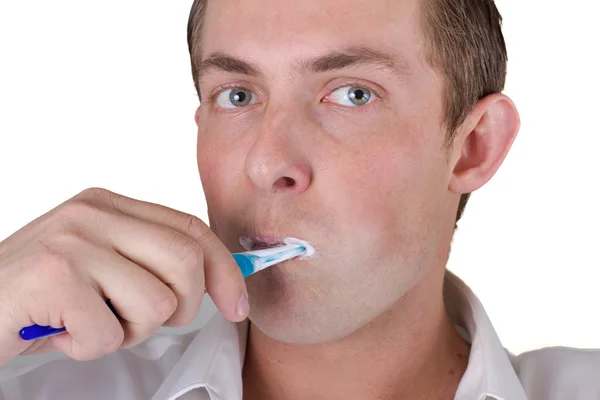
(275, 162)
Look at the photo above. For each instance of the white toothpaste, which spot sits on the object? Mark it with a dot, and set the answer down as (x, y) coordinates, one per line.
(247, 244)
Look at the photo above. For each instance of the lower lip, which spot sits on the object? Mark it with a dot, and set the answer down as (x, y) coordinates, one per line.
(264, 245)
(260, 246)
(252, 242)
(265, 241)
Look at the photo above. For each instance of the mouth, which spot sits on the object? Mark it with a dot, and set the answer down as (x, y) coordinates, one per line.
(252, 243)
(260, 242)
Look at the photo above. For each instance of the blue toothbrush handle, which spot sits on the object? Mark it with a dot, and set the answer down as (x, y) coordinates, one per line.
(35, 332)
(246, 266)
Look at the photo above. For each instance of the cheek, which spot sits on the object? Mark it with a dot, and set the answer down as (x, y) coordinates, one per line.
(219, 166)
(387, 199)
(375, 205)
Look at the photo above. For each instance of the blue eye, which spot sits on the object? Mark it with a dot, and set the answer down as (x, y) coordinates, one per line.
(352, 96)
(235, 98)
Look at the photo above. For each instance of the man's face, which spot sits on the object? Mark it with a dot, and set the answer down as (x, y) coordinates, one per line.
(333, 136)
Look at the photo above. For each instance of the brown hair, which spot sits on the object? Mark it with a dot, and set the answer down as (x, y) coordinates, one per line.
(465, 44)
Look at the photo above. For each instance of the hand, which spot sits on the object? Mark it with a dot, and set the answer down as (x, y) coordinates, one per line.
(152, 262)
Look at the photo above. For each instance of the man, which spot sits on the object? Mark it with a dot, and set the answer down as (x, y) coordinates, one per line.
(360, 126)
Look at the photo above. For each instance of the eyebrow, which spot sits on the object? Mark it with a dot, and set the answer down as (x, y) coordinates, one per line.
(354, 56)
(333, 61)
(226, 63)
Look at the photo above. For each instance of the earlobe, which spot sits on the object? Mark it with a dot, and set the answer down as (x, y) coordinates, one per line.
(197, 115)
(490, 131)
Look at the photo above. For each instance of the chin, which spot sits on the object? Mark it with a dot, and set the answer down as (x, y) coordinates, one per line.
(300, 312)
(295, 330)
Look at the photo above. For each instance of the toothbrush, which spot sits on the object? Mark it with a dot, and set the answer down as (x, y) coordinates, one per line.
(249, 262)
(34, 332)
(253, 261)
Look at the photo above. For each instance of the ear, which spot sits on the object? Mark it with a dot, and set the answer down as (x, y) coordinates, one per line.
(197, 115)
(482, 143)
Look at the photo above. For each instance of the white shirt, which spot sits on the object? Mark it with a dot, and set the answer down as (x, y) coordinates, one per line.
(206, 365)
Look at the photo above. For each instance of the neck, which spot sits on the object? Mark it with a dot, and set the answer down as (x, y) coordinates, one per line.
(411, 351)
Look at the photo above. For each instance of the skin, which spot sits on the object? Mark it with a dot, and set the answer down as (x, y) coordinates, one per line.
(372, 187)
(147, 259)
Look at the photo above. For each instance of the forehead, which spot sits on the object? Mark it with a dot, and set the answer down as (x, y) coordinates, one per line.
(280, 30)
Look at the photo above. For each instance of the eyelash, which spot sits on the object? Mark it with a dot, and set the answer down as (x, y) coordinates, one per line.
(220, 89)
(355, 84)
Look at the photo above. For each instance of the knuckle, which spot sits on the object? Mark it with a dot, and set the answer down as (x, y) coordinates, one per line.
(164, 307)
(194, 227)
(118, 202)
(67, 240)
(188, 254)
(73, 208)
(187, 313)
(94, 193)
(180, 320)
(108, 343)
(101, 199)
(112, 341)
(80, 215)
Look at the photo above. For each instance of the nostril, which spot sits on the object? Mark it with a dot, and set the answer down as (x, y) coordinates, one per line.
(289, 181)
(285, 182)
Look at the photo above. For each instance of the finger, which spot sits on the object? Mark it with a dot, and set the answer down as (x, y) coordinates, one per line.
(56, 296)
(142, 302)
(186, 224)
(173, 258)
(188, 267)
(92, 328)
(223, 278)
(40, 346)
(224, 282)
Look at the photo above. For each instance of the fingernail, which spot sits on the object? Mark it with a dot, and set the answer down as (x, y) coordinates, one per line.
(243, 306)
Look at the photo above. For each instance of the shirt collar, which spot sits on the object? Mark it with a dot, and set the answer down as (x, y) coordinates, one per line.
(213, 360)
(489, 372)
(215, 357)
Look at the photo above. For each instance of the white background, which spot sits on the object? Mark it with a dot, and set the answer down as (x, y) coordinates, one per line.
(100, 94)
